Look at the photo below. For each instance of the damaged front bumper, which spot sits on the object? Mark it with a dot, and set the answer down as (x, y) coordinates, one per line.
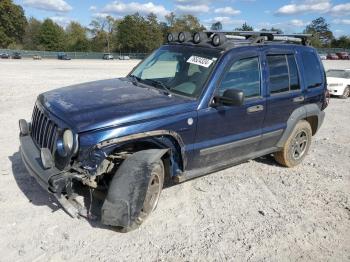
(53, 180)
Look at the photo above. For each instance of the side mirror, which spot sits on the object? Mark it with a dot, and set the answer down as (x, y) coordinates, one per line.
(231, 97)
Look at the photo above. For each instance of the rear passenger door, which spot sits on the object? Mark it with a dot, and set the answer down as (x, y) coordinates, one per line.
(283, 93)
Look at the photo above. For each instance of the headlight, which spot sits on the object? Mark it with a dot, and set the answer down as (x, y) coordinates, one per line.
(68, 141)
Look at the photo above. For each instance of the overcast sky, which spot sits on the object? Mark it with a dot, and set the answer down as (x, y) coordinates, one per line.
(290, 15)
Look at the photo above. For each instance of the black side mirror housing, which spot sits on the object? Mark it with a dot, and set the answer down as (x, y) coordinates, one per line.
(231, 97)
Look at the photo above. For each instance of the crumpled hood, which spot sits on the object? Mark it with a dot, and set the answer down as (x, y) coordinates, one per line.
(110, 102)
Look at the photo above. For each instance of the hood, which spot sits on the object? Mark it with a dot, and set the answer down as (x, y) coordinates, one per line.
(334, 80)
(112, 102)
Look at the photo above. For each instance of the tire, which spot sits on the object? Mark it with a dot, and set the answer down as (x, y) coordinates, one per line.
(296, 146)
(346, 93)
(154, 190)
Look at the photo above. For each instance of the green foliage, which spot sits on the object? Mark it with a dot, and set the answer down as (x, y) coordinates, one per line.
(188, 23)
(76, 38)
(216, 26)
(245, 27)
(51, 36)
(132, 33)
(12, 23)
(273, 29)
(31, 34)
(341, 42)
(321, 33)
(139, 34)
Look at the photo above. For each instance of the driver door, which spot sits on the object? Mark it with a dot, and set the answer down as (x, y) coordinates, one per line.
(226, 134)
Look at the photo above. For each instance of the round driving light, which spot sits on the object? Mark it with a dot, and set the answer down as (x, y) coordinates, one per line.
(184, 37)
(68, 140)
(172, 37)
(199, 37)
(23, 127)
(218, 39)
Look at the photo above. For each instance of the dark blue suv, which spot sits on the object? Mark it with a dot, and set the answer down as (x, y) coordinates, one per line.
(196, 105)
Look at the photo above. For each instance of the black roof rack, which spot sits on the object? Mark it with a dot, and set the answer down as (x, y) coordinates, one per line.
(260, 37)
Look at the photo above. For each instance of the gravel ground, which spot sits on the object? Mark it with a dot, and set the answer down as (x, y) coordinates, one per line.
(257, 211)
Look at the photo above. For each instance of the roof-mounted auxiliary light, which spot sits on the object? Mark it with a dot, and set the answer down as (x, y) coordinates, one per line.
(184, 37)
(172, 37)
(200, 37)
(218, 39)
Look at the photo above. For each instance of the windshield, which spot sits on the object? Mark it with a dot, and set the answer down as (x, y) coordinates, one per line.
(338, 73)
(178, 69)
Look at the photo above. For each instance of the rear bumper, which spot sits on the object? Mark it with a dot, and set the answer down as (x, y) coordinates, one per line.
(53, 180)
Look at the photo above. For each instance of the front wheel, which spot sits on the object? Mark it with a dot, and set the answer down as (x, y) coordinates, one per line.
(296, 146)
(154, 189)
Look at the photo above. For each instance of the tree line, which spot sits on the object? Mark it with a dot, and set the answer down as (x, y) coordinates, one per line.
(132, 33)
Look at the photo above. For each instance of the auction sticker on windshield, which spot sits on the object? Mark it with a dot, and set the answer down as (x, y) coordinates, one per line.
(201, 61)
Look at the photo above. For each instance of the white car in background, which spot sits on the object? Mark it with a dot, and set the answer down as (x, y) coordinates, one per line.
(338, 81)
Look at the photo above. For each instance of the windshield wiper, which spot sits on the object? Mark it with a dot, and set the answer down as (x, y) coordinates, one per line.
(161, 84)
(134, 79)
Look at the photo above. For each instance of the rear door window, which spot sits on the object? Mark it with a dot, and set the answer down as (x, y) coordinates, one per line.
(283, 73)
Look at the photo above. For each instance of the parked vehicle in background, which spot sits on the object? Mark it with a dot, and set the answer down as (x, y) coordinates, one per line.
(339, 82)
(5, 55)
(63, 56)
(124, 57)
(343, 55)
(16, 55)
(37, 57)
(196, 105)
(332, 56)
(107, 56)
(323, 56)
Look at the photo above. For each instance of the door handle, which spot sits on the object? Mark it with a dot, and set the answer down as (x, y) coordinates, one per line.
(298, 99)
(254, 109)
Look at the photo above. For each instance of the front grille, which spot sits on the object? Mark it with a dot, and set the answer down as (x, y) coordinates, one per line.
(44, 131)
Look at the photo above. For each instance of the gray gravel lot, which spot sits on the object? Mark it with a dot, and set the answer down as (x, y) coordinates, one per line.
(257, 211)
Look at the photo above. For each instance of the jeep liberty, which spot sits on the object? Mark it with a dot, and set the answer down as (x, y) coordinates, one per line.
(200, 103)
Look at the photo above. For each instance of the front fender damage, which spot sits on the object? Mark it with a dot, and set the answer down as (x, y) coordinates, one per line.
(128, 187)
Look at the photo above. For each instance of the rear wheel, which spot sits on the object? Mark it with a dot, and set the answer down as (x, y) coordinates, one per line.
(346, 93)
(296, 146)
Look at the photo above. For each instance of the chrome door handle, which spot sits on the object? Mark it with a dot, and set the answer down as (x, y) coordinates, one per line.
(256, 108)
(298, 99)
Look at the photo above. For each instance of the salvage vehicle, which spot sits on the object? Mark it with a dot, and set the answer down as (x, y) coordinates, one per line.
(343, 55)
(16, 55)
(5, 56)
(63, 56)
(339, 82)
(196, 105)
(332, 56)
(107, 56)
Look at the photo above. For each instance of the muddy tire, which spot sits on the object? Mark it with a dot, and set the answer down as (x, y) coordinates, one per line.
(154, 190)
(346, 93)
(296, 146)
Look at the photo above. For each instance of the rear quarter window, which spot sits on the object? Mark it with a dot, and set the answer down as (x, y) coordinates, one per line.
(312, 70)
